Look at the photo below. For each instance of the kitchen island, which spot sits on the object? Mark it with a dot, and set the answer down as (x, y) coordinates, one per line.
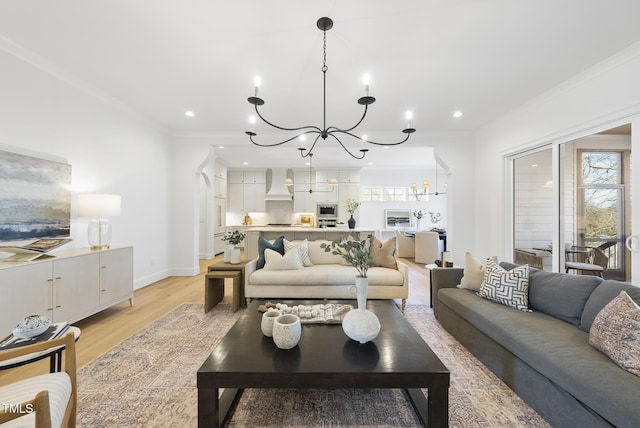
(297, 233)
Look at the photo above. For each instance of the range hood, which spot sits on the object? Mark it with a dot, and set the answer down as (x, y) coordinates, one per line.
(276, 189)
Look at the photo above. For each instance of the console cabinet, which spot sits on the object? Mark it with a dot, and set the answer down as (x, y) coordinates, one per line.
(68, 287)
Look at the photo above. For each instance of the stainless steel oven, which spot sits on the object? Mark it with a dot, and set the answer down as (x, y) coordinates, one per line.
(327, 215)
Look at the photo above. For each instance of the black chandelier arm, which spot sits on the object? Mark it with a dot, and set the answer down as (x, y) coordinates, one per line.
(374, 142)
(333, 128)
(282, 128)
(362, 151)
(310, 150)
(253, 134)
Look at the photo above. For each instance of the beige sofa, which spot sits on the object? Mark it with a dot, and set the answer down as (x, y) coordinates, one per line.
(328, 278)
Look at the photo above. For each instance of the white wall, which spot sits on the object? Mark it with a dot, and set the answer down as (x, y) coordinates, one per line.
(600, 98)
(46, 113)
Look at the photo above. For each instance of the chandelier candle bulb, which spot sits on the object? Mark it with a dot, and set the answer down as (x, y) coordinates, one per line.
(257, 81)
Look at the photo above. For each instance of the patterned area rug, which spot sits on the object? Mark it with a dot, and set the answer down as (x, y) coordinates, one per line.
(149, 380)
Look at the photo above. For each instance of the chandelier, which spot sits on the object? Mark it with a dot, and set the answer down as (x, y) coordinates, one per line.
(325, 131)
(418, 194)
(332, 182)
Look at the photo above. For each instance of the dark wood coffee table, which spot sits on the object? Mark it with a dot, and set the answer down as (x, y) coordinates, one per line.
(324, 358)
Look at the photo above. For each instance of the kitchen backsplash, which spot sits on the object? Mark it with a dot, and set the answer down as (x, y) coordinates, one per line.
(276, 212)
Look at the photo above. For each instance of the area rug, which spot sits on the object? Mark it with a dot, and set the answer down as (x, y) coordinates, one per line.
(149, 380)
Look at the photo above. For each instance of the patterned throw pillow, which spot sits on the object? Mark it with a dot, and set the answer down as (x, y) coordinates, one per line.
(303, 250)
(616, 332)
(510, 288)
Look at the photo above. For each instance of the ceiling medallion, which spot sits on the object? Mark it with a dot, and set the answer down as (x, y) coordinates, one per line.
(325, 131)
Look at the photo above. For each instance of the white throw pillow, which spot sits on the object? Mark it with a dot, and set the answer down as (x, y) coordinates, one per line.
(303, 250)
(473, 273)
(274, 261)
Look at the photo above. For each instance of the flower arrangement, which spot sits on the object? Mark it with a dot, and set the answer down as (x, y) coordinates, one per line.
(233, 238)
(435, 217)
(352, 206)
(353, 251)
(418, 214)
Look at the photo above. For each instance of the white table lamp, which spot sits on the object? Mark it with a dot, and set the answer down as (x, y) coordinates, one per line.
(98, 207)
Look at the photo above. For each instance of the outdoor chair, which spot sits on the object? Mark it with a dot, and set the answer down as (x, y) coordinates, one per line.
(586, 259)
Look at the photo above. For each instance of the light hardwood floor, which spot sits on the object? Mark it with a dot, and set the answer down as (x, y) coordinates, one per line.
(106, 329)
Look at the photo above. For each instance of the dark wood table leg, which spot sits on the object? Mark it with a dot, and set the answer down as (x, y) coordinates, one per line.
(213, 410)
(434, 411)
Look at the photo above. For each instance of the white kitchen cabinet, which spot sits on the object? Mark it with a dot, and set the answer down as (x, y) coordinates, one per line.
(254, 197)
(67, 287)
(349, 176)
(221, 171)
(220, 215)
(303, 201)
(246, 191)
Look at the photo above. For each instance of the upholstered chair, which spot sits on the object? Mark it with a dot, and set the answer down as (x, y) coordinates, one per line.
(405, 245)
(427, 247)
(47, 400)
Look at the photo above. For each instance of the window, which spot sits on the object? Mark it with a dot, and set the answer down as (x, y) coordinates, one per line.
(371, 194)
(394, 194)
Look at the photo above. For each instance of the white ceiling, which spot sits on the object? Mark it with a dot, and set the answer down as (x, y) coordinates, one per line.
(163, 57)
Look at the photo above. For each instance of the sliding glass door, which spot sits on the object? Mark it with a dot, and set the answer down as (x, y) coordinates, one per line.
(588, 208)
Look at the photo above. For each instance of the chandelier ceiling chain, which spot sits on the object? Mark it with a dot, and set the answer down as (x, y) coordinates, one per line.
(325, 132)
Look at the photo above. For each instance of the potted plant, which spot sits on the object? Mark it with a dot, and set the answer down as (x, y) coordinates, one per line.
(361, 325)
(356, 252)
(418, 215)
(352, 206)
(231, 253)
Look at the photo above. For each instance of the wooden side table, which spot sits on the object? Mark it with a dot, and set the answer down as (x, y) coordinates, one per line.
(223, 270)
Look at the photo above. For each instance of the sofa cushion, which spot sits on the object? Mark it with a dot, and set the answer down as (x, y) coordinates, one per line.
(318, 256)
(602, 295)
(275, 261)
(616, 332)
(303, 250)
(560, 295)
(263, 244)
(326, 275)
(382, 254)
(473, 272)
(508, 288)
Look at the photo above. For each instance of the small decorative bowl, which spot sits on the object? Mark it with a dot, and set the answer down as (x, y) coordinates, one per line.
(31, 326)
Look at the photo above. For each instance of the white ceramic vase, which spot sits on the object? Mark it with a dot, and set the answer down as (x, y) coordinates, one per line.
(228, 249)
(267, 322)
(235, 256)
(361, 324)
(286, 331)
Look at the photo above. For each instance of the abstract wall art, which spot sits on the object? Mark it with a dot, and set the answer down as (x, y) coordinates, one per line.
(35, 197)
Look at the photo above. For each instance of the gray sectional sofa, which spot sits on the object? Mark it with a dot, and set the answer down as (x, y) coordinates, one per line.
(545, 355)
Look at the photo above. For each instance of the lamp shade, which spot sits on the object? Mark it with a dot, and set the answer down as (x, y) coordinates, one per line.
(98, 205)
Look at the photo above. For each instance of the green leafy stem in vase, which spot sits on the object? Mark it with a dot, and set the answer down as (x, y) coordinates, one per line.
(352, 206)
(233, 238)
(354, 251)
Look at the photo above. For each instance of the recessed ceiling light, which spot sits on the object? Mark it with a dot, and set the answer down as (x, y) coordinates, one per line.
(245, 163)
(221, 147)
(457, 114)
(189, 113)
(370, 163)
